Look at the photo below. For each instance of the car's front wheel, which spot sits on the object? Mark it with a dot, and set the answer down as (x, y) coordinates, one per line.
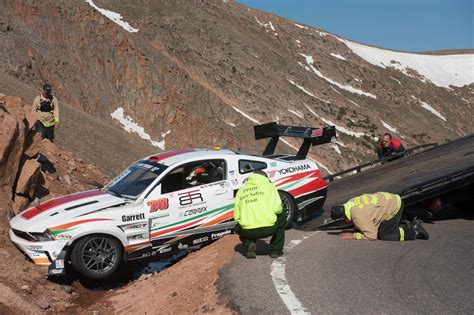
(97, 256)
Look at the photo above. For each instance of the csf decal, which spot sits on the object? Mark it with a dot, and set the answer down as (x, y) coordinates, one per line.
(189, 197)
(158, 204)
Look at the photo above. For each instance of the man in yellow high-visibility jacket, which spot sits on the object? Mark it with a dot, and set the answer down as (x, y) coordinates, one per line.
(259, 214)
(377, 216)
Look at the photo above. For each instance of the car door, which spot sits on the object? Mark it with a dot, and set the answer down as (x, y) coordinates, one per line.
(189, 209)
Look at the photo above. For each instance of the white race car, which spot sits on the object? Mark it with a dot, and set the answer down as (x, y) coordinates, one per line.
(165, 203)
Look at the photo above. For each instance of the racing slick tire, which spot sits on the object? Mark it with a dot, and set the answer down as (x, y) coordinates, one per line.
(289, 205)
(97, 256)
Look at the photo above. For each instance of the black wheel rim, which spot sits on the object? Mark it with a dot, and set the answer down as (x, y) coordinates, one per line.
(99, 254)
(285, 204)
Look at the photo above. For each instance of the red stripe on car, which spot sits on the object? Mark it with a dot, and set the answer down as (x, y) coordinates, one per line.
(314, 185)
(32, 212)
(165, 155)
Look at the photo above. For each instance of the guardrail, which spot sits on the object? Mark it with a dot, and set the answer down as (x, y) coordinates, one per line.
(359, 168)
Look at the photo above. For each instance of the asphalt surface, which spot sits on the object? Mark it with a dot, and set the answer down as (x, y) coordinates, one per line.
(329, 275)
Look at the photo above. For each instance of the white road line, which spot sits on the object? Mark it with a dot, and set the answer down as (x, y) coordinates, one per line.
(281, 284)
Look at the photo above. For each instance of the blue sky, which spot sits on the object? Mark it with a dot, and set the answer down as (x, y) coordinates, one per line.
(409, 25)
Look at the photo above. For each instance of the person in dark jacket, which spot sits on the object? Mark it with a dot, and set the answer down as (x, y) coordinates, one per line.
(389, 147)
(377, 216)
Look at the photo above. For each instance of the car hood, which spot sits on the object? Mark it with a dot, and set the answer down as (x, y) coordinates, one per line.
(60, 210)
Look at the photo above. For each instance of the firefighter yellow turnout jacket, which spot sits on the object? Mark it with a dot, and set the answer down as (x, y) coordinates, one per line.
(257, 203)
(368, 211)
(47, 110)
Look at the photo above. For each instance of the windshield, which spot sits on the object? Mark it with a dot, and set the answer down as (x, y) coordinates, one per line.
(135, 179)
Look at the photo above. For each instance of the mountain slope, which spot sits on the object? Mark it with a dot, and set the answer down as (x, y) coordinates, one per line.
(200, 73)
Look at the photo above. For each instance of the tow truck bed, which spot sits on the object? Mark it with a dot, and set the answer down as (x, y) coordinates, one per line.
(430, 173)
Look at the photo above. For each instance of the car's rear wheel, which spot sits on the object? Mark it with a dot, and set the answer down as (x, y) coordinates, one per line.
(97, 256)
(289, 206)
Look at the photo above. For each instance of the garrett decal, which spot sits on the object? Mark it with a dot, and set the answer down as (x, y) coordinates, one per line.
(159, 204)
(190, 197)
(293, 169)
(201, 240)
(220, 234)
(194, 211)
(133, 217)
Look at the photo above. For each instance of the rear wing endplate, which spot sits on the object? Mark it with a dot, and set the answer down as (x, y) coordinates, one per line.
(310, 136)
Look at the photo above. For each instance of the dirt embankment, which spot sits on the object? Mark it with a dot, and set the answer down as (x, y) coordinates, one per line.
(33, 170)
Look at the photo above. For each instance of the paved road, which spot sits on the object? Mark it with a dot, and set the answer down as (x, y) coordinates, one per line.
(323, 274)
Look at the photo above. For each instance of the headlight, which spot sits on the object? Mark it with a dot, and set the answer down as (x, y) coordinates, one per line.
(42, 237)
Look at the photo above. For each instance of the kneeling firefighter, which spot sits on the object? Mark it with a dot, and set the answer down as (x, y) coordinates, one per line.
(377, 216)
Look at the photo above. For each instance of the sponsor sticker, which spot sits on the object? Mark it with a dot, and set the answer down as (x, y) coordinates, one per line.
(56, 271)
(231, 172)
(190, 197)
(293, 169)
(164, 250)
(271, 173)
(273, 164)
(201, 240)
(183, 246)
(159, 204)
(59, 263)
(63, 237)
(194, 211)
(217, 235)
(133, 217)
(34, 247)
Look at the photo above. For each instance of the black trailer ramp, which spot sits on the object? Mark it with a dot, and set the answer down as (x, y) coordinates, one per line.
(425, 175)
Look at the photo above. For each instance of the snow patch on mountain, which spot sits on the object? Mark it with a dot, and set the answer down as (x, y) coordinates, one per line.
(114, 17)
(338, 56)
(229, 123)
(132, 127)
(388, 127)
(396, 80)
(266, 26)
(296, 113)
(302, 26)
(442, 71)
(310, 62)
(302, 89)
(429, 108)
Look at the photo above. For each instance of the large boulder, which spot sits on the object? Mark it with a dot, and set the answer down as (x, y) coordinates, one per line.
(28, 178)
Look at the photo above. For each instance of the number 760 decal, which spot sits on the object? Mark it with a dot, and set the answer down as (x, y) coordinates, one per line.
(158, 204)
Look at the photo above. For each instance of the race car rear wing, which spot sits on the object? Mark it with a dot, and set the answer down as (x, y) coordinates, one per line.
(310, 136)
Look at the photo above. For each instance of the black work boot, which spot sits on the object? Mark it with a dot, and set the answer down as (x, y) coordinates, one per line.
(420, 231)
(251, 251)
(276, 255)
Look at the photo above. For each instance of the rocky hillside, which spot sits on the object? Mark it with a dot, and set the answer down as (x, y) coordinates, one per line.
(199, 73)
(32, 170)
